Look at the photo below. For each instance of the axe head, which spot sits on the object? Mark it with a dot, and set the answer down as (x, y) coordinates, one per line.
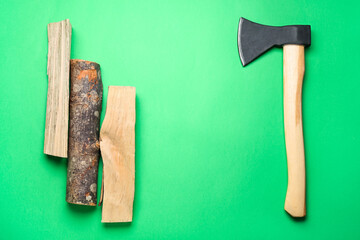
(254, 39)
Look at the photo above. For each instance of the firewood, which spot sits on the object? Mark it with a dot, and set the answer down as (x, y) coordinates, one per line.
(57, 109)
(85, 108)
(117, 144)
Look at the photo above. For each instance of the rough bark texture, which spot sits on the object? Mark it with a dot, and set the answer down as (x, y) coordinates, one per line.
(117, 143)
(57, 107)
(85, 107)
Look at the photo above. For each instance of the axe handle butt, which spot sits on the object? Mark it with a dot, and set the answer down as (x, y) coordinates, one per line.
(294, 67)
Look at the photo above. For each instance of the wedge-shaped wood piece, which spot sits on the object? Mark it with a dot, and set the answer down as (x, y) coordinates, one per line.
(57, 109)
(117, 144)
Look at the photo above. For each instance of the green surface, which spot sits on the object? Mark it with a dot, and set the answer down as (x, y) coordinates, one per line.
(210, 150)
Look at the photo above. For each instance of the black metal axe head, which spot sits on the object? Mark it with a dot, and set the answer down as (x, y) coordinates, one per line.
(254, 39)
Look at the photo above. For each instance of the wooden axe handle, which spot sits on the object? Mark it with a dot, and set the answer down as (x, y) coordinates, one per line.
(294, 67)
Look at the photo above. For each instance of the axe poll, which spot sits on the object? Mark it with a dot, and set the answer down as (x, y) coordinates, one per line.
(255, 39)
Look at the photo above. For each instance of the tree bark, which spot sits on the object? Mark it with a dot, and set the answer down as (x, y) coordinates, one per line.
(85, 107)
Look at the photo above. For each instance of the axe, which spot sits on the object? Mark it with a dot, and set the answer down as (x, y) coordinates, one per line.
(255, 39)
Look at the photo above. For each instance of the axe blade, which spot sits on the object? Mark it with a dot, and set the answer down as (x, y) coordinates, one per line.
(255, 39)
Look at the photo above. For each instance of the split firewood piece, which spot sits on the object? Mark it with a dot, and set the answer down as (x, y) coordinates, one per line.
(117, 144)
(57, 108)
(85, 107)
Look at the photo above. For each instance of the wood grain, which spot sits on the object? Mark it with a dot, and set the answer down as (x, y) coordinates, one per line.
(85, 109)
(117, 144)
(293, 79)
(57, 108)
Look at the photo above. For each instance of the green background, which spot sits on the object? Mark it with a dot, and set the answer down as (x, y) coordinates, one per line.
(210, 149)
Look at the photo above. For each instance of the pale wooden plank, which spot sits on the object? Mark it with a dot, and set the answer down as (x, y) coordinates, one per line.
(57, 108)
(117, 145)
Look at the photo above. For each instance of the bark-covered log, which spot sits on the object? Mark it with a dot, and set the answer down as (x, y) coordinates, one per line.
(85, 107)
